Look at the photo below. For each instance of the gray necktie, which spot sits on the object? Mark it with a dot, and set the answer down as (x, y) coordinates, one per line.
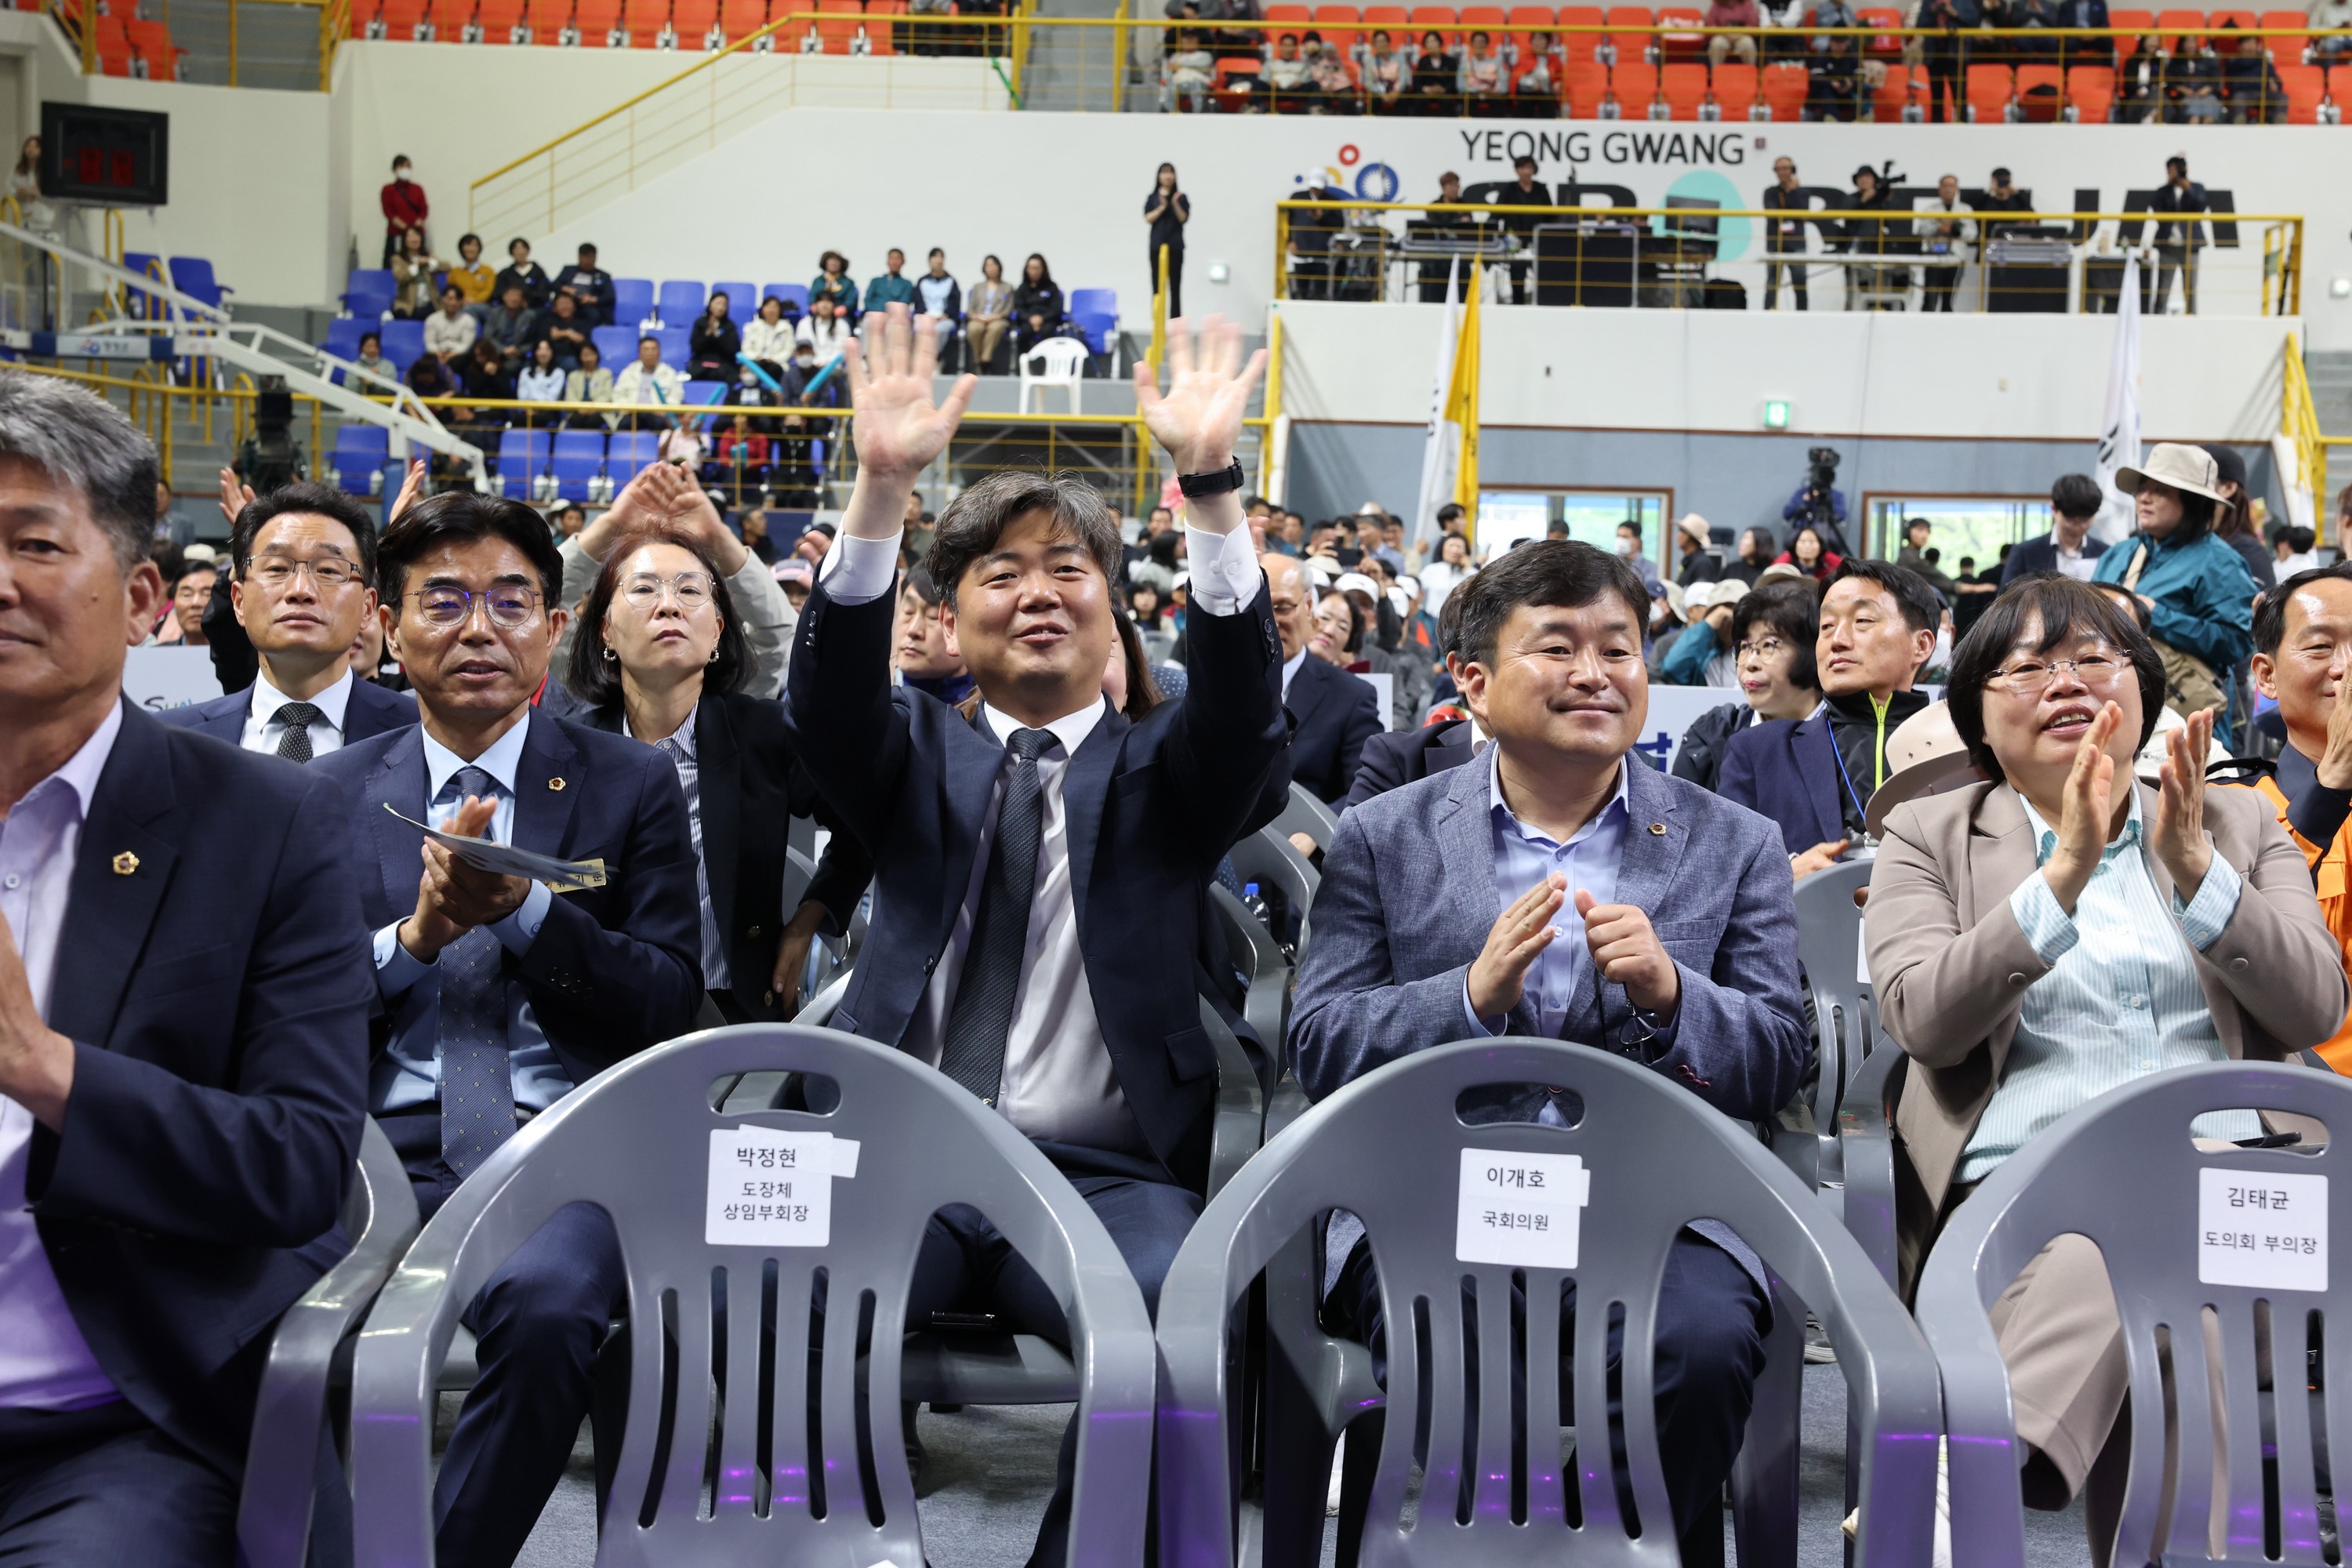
(294, 745)
(981, 1016)
(478, 1109)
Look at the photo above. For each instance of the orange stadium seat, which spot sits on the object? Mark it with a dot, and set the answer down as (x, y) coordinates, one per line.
(1229, 94)
(1438, 19)
(363, 14)
(497, 19)
(1893, 95)
(1391, 17)
(1681, 46)
(2240, 21)
(1491, 20)
(1630, 45)
(1583, 84)
(450, 19)
(596, 21)
(1785, 86)
(113, 47)
(1289, 15)
(401, 18)
(1582, 45)
(739, 19)
(1735, 89)
(1634, 85)
(884, 22)
(151, 43)
(2175, 19)
(2128, 27)
(2040, 92)
(2091, 92)
(645, 19)
(692, 21)
(2306, 90)
(2339, 84)
(1882, 45)
(1988, 93)
(2289, 47)
(1684, 86)
(547, 19)
(836, 25)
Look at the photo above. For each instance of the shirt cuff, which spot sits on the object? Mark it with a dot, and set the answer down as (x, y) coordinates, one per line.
(396, 968)
(1224, 569)
(2049, 929)
(2205, 917)
(859, 571)
(1472, 1013)
(520, 929)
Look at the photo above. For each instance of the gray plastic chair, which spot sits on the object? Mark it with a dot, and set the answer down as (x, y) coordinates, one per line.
(1266, 1006)
(1867, 1154)
(310, 1354)
(1307, 815)
(2122, 1171)
(1388, 1148)
(1269, 857)
(633, 1142)
(1829, 945)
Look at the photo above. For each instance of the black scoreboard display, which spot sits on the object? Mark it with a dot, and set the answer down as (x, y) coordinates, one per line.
(110, 157)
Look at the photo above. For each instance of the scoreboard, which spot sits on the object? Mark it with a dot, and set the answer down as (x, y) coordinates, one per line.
(108, 157)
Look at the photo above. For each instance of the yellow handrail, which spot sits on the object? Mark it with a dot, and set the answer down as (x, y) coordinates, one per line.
(2299, 423)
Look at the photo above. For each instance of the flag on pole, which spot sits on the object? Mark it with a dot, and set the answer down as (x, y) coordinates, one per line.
(1462, 404)
(2120, 432)
(1439, 451)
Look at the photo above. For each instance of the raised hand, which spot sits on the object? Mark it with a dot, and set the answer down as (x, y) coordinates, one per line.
(37, 1063)
(452, 898)
(1520, 934)
(2335, 762)
(233, 496)
(412, 482)
(2178, 839)
(2083, 824)
(1198, 418)
(898, 427)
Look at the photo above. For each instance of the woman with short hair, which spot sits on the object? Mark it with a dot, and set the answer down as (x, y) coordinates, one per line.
(1772, 637)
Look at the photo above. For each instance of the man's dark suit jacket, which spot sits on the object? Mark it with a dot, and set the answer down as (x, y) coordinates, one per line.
(615, 968)
(1151, 808)
(372, 710)
(752, 788)
(1334, 714)
(2035, 556)
(1399, 758)
(212, 974)
(1787, 770)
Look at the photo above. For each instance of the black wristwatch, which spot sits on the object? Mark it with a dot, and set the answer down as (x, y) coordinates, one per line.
(1200, 486)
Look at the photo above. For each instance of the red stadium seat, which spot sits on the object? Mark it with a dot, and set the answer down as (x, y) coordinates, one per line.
(644, 20)
(2041, 93)
(1630, 45)
(151, 43)
(2091, 92)
(1582, 45)
(836, 25)
(450, 19)
(1785, 87)
(1290, 15)
(1634, 85)
(2175, 19)
(1230, 91)
(692, 21)
(2240, 21)
(1690, 44)
(363, 13)
(1491, 20)
(2289, 47)
(739, 19)
(1893, 95)
(1438, 19)
(401, 18)
(1883, 45)
(596, 20)
(1735, 89)
(2306, 90)
(1989, 88)
(1583, 84)
(2339, 84)
(885, 24)
(2129, 26)
(497, 19)
(1684, 86)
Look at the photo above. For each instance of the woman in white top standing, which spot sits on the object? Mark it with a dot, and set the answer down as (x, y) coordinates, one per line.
(1446, 573)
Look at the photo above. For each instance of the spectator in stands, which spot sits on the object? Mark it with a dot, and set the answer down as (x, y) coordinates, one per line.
(1483, 79)
(1183, 785)
(560, 327)
(822, 330)
(1703, 655)
(1629, 548)
(1446, 571)
(1810, 555)
(1038, 306)
(569, 519)
(1395, 759)
(428, 377)
(538, 993)
(1916, 557)
(2235, 524)
(1328, 74)
(714, 343)
(191, 591)
(474, 278)
(1540, 68)
(988, 314)
(2139, 85)
(537, 290)
(2330, 15)
(1941, 53)
(1757, 549)
(892, 288)
(2192, 93)
(2055, 933)
(648, 381)
(305, 585)
(1436, 77)
(939, 296)
(1386, 72)
(1834, 88)
(662, 659)
(1772, 641)
(591, 382)
(1943, 231)
(923, 653)
(1785, 236)
(1435, 920)
(450, 331)
(1815, 775)
(768, 337)
(1731, 45)
(2256, 96)
(405, 207)
(414, 293)
(738, 466)
(1332, 712)
(182, 1036)
(1192, 68)
(1698, 564)
(542, 381)
(2068, 548)
(1284, 78)
(1525, 190)
(1829, 13)
(591, 288)
(833, 282)
(24, 184)
(2293, 548)
(2197, 591)
(510, 326)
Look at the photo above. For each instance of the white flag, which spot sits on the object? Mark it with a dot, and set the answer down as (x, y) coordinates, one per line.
(1440, 455)
(2120, 432)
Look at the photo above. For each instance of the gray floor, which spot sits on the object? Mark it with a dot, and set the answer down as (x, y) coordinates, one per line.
(995, 1465)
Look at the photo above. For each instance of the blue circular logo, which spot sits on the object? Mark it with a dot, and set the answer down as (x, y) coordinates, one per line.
(1377, 183)
(1732, 234)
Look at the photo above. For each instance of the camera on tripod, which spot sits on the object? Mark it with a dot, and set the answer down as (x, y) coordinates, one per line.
(268, 457)
(1821, 472)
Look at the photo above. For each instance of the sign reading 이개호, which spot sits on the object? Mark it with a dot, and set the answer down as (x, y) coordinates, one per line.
(1523, 1210)
(773, 1189)
(2262, 1229)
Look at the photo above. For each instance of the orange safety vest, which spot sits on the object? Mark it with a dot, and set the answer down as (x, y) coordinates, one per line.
(2328, 863)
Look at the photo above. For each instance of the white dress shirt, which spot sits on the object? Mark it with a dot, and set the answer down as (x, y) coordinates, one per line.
(263, 733)
(1289, 668)
(1059, 1083)
(45, 1364)
(2076, 564)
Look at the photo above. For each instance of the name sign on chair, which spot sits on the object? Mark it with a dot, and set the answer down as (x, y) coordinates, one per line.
(2262, 1229)
(773, 1189)
(1523, 1210)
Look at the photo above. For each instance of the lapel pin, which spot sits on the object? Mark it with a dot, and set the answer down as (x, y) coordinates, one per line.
(1659, 828)
(555, 785)
(125, 863)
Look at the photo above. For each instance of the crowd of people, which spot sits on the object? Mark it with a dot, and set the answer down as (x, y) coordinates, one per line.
(220, 952)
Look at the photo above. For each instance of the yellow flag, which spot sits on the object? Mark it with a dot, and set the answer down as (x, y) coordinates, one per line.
(1461, 400)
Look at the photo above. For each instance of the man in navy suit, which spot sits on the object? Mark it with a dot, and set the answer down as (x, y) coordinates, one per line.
(1333, 713)
(494, 997)
(1814, 775)
(1393, 760)
(305, 585)
(1042, 919)
(2068, 547)
(183, 1033)
(1676, 946)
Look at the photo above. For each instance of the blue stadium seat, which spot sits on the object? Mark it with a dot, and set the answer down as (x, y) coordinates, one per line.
(522, 457)
(403, 342)
(143, 306)
(1095, 329)
(618, 346)
(361, 450)
(633, 300)
(576, 456)
(794, 295)
(673, 347)
(367, 292)
(741, 303)
(705, 394)
(632, 451)
(1097, 301)
(680, 303)
(343, 338)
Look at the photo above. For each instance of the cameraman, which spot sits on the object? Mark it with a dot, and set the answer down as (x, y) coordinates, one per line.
(1818, 502)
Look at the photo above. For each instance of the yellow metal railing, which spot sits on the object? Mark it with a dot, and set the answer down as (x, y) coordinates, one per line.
(1667, 257)
(2299, 423)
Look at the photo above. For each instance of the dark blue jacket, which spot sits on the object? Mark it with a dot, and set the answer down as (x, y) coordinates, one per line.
(615, 968)
(1787, 770)
(2040, 554)
(1392, 760)
(1333, 715)
(212, 974)
(1151, 808)
(372, 710)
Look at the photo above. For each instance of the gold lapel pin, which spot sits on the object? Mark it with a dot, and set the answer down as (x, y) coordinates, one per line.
(1659, 828)
(125, 863)
(555, 784)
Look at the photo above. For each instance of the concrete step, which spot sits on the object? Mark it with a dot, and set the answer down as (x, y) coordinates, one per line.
(2330, 373)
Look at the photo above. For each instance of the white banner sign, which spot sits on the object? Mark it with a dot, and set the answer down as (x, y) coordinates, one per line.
(770, 1188)
(2259, 1229)
(160, 677)
(1523, 1210)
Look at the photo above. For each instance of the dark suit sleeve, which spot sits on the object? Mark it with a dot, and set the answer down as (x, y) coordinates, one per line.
(263, 1162)
(1739, 1034)
(1358, 726)
(844, 728)
(1736, 783)
(640, 977)
(1381, 769)
(1227, 753)
(844, 871)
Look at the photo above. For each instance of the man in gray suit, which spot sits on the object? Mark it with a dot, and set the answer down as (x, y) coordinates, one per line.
(1441, 919)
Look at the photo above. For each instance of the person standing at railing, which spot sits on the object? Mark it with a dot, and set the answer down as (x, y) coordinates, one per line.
(1941, 53)
(405, 207)
(1942, 227)
(1785, 235)
(1739, 46)
(1527, 191)
(1167, 209)
(2176, 243)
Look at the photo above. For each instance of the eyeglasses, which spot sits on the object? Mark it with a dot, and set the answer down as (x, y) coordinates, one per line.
(643, 590)
(328, 572)
(508, 605)
(2034, 675)
(1765, 647)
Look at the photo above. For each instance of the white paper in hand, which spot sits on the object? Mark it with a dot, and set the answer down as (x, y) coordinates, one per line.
(1524, 1210)
(770, 1188)
(506, 860)
(2260, 1230)
(1862, 958)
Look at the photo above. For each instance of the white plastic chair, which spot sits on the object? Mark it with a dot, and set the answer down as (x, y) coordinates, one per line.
(1063, 359)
